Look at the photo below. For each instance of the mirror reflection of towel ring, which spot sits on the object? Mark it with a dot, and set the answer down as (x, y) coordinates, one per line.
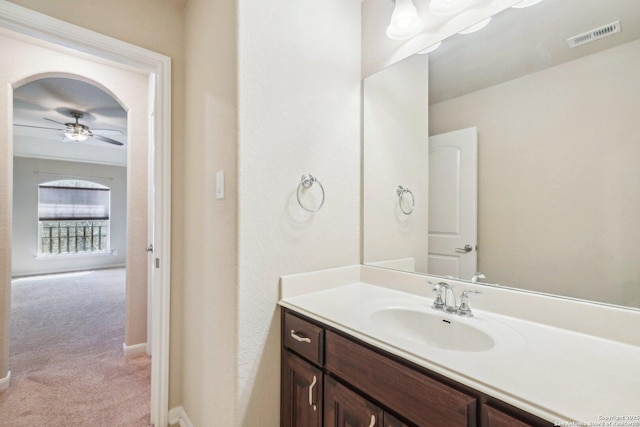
(400, 191)
(307, 181)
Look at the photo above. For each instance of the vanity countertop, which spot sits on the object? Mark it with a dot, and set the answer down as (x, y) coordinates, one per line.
(557, 374)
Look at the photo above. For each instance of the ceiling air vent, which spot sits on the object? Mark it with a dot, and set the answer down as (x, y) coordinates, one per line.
(594, 34)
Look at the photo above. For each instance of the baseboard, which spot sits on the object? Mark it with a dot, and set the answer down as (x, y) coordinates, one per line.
(4, 382)
(179, 416)
(134, 350)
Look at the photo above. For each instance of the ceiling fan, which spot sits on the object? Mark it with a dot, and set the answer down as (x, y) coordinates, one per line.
(79, 132)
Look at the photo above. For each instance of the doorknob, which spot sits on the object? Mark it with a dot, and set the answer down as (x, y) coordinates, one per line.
(467, 248)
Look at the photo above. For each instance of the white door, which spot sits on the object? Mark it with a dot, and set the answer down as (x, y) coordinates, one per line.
(453, 203)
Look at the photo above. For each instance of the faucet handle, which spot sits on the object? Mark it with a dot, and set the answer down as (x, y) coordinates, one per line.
(438, 303)
(464, 309)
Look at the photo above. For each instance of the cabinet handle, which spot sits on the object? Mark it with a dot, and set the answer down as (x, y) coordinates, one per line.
(297, 337)
(373, 421)
(313, 384)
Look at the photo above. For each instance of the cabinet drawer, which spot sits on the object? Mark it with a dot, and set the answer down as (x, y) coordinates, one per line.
(496, 418)
(304, 338)
(419, 398)
(493, 417)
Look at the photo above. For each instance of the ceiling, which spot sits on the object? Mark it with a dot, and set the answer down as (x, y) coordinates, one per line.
(42, 101)
(518, 42)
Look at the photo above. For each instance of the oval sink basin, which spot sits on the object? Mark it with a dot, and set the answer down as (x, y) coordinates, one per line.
(435, 329)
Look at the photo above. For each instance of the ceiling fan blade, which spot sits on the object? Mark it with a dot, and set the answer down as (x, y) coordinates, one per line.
(36, 127)
(105, 132)
(63, 124)
(105, 139)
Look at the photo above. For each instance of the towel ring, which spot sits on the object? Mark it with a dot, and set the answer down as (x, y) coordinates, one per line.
(400, 191)
(307, 181)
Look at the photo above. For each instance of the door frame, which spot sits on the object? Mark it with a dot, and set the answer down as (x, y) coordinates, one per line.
(158, 67)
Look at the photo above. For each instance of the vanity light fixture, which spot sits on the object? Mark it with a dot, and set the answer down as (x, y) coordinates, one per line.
(430, 48)
(477, 27)
(405, 22)
(447, 7)
(525, 3)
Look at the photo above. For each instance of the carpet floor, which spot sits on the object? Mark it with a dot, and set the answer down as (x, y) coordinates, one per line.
(66, 356)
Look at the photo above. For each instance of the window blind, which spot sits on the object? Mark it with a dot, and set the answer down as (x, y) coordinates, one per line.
(73, 203)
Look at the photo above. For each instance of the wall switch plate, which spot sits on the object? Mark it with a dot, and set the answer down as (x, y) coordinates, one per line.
(220, 185)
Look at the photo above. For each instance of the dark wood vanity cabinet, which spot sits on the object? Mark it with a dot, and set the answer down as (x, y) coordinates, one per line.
(330, 379)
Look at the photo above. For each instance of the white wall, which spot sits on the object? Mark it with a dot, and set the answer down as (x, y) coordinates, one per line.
(558, 176)
(25, 214)
(396, 152)
(299, 112)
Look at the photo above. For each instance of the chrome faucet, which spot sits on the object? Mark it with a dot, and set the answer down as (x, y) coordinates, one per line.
(442, 303)
(478, 275)
(464, 309)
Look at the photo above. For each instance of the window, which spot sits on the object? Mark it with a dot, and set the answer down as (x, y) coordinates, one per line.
(73, 217)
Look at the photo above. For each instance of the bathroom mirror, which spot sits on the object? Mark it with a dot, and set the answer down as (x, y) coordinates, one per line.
(558, 152)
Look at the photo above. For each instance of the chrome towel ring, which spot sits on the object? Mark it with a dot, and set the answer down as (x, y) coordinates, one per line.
(306, 182)
(400, 191)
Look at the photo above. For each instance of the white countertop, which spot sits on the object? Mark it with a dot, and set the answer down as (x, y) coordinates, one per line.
(557, 374)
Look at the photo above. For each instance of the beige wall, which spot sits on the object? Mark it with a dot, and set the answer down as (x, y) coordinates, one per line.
(158, 26)
(396, 152)
(558, 176)
(210, 256)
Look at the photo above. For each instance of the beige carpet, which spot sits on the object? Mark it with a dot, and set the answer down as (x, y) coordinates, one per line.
(66, 355)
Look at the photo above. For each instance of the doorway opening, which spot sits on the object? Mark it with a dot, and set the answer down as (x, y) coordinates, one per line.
(52, 37)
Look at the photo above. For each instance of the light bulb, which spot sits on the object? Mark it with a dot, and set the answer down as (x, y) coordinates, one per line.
(405, 22)
(77, 134)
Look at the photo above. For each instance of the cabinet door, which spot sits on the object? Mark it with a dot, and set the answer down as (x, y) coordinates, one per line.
(344, 408)
(391, 421)
(301, 393)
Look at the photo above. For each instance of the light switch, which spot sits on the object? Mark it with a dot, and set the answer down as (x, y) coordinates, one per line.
(220, 185)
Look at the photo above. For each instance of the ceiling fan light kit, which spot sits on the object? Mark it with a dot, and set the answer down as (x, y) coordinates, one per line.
(76, 131)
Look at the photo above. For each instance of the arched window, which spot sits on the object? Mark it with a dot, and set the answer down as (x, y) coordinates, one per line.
(74, 217)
